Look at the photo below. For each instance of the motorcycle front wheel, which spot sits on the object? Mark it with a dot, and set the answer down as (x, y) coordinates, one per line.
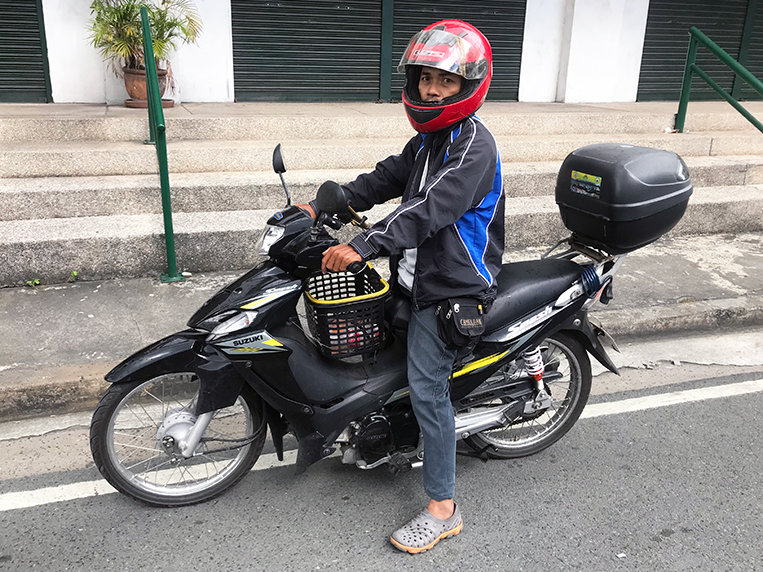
(567, 378)
(135, 439)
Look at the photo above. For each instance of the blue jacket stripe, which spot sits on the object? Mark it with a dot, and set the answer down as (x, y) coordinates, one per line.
(472, 228)
(453, 135)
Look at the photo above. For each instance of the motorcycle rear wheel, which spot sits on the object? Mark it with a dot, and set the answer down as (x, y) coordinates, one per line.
(131, 420)
(569, 393)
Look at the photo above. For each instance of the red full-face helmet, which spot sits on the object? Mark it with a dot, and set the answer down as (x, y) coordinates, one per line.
(456, 47)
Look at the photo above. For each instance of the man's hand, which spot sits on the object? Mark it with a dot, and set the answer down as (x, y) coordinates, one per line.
(339, 257)
(308, 208)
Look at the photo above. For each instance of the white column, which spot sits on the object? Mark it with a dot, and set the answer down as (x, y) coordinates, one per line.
(606, 44)
(544, 47)
(579, 51)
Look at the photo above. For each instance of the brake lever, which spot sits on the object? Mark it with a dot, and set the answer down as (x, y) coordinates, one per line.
(357, 220)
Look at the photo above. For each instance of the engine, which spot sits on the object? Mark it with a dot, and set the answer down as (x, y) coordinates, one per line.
(381, 433)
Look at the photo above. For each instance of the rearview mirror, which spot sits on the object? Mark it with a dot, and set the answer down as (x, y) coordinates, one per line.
(331, 198)
(278, 165)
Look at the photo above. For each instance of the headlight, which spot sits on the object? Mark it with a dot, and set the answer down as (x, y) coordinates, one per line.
(234, 323)
(269, 237)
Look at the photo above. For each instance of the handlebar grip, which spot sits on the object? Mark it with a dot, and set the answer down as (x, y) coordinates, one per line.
(356, 267)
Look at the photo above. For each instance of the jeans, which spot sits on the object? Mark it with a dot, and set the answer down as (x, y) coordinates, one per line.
(429, 367)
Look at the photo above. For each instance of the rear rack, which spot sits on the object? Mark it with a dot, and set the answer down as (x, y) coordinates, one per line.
(575, 249)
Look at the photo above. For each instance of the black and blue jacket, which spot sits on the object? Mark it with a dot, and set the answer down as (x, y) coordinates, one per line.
(455, 219)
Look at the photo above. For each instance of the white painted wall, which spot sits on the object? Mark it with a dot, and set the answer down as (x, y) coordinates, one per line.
(578, 51)
(203, 72)
(76, 69)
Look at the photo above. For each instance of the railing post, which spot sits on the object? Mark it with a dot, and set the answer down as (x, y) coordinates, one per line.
(156, 120)
(683, 103)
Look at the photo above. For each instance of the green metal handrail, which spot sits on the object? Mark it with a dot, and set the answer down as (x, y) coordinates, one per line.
(692, 68)
(158, 137)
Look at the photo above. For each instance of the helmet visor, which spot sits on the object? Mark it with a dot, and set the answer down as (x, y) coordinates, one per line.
(443, 50)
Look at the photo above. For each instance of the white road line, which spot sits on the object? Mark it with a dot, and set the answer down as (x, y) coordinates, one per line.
(28, 499)
(675, 398)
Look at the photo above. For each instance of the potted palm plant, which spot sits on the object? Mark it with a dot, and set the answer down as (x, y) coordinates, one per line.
(116, 31)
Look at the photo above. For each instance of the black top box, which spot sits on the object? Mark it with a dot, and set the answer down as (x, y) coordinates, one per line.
(618, 197)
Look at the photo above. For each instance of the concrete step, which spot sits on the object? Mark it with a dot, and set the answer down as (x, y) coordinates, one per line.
(67, 197)
(71, 159)
(133, 245)
(265, 121)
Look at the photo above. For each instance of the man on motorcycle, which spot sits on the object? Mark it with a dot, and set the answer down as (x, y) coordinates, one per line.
(445, 240)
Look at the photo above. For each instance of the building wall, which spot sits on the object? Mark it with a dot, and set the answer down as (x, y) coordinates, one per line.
(573, 51)
(202, 72)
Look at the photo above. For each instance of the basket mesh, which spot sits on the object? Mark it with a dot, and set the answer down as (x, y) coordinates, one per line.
(342, 325)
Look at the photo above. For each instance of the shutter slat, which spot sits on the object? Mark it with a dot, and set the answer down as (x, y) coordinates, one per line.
(667, 40)
(303, 50)
(502, 22)
(22, 71)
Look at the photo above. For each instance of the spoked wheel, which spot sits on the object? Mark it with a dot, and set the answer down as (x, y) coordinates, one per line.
(568, 380)
(138, 428)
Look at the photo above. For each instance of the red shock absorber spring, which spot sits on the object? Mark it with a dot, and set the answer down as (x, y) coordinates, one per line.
(534, 363)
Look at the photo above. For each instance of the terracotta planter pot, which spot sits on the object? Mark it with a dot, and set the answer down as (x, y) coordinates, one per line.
(135, 83)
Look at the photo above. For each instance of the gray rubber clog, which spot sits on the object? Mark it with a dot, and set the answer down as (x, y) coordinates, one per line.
(424, 531)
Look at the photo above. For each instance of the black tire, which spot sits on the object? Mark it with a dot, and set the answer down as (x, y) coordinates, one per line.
(529, 435)
(126, 441)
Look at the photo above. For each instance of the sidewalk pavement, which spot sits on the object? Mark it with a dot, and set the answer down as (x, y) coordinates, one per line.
(59, 340)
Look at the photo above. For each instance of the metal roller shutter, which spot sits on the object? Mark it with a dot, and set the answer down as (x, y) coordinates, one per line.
(304, 50)
(23, 57)
(502, 21)
(667, 40)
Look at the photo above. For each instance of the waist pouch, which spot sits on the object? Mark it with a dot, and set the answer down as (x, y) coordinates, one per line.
(460, 321)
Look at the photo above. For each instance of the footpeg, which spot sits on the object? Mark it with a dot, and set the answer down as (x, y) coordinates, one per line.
(399, 464)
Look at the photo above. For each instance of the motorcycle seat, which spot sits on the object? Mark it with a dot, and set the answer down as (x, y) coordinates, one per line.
(525, 286)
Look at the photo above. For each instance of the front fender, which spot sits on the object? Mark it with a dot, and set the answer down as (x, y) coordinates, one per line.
(186, 351)
(169, 355)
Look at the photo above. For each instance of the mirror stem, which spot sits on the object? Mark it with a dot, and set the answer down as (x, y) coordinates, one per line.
(285, 188)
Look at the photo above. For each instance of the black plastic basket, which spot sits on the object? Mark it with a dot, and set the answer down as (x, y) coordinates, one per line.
(345, 311)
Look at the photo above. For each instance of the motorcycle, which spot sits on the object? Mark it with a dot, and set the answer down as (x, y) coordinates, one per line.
(186, 418)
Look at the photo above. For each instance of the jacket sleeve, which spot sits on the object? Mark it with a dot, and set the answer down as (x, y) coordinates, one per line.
(387, 181)
(462, 181)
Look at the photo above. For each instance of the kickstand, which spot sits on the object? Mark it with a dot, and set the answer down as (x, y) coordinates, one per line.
(481, 454)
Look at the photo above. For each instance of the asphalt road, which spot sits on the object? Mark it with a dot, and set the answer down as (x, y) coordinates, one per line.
(674, 487)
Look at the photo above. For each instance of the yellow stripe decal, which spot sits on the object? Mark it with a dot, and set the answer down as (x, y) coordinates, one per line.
(273, 343)
(256, 303)
(479, 364)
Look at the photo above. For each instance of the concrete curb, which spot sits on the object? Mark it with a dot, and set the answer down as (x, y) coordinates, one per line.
(72, 388)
